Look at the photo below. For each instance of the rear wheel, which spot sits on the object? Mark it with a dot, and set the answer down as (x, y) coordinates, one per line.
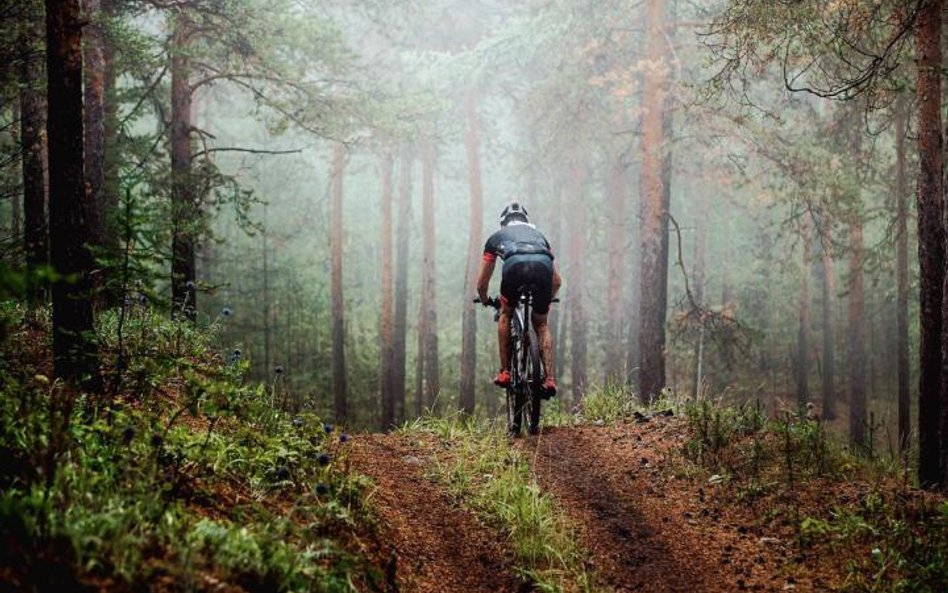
(534, 382)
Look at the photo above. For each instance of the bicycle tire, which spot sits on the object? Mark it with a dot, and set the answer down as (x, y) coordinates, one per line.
(534, 383)
(514, 400)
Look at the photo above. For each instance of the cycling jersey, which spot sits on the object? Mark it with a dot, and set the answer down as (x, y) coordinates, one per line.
(528, 262)
(517, 238)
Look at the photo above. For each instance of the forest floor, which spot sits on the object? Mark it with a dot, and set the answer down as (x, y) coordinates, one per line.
(646, 518)
(193, 483)
(432, 543)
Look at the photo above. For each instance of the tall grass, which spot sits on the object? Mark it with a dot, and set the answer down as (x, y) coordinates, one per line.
(493, 478)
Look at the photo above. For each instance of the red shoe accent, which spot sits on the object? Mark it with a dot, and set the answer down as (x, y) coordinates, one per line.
(503, 378)
(549, 386)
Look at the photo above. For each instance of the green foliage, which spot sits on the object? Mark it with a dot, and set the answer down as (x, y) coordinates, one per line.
(836, 50)
(259, 557)
(189, 476)
(714, 428)
(608, 403)
(895, 538)
(743, 442)
(901, 543)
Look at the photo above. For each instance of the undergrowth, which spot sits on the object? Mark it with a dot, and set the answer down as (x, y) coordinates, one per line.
(830, 499)
(612, 402)
(181, 479)
(483, 471)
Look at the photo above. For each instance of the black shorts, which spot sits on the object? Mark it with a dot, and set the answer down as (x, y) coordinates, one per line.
(535, 272)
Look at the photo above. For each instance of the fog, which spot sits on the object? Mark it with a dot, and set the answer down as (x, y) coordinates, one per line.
(600, 118)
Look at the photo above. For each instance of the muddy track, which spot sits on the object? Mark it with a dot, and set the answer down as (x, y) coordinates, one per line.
(630, 551)
(644, 531)
(646, 524)
(430, 543)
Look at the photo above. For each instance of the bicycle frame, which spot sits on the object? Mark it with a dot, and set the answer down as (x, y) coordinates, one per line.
(523, 394)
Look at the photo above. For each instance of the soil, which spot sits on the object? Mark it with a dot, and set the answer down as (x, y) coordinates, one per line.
(648, 529)
(646, 524)
(429, 544)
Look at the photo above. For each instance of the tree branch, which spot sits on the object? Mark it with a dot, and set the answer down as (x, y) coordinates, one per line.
(146, 95)
(723, 327)
(249, 150)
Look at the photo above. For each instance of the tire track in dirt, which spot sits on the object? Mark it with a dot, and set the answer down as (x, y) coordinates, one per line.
(641, 529)
(438, 546)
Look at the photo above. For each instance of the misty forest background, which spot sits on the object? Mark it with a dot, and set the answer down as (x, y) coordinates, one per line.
(727, 186)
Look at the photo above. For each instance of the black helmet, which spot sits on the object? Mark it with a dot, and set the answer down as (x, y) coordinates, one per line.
(514, 211)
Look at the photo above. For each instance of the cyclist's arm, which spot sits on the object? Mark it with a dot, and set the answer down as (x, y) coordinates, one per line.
(483, 278)
(557, 280)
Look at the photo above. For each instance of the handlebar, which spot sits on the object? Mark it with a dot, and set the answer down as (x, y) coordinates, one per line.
(491, 302)
(495, 301)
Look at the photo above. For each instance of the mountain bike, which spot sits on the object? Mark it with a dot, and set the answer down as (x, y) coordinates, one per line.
(525, 393)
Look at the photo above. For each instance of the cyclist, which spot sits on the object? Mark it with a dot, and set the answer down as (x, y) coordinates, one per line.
(527, 261)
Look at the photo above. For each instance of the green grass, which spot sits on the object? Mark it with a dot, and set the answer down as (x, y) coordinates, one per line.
(494, 479)
(183, 475)
(891, 536)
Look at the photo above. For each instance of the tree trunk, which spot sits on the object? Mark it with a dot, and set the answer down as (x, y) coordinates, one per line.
(857, 335)
(803, 331)
(931, 238)
(420, 361)
(337, 234)
(698, 277)
(635, 299)
(654, 274)
(616, 271)
(16, 206)
(828, 387)
(183, 203)
(399, 373)
(94, 112)
(75, 356)
(267, 330)
(429, 273)
(557, 316)
(474, 246)
(112, 191)
(101, 136)
(34, 146)
(386, 317)
(577, 283)
(901, 303)
(667, 133)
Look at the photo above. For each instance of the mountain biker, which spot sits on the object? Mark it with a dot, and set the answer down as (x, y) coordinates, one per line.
(527, 261)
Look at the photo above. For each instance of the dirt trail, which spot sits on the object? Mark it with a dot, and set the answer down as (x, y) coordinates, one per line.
(646, 530)
(438, 546)
(647, 523)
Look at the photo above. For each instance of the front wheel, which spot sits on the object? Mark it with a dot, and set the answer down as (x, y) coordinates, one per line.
(517, 376)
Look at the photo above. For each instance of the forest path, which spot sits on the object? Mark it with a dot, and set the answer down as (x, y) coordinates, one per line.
(439, 546)
(645, 519)
(645, 529)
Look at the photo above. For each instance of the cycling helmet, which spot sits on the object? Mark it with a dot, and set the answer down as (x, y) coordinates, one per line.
(514, 211)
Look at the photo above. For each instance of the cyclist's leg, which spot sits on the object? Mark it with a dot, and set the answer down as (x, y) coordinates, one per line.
(545, 342)
(503, 332)
(508, 300)
(542, 273)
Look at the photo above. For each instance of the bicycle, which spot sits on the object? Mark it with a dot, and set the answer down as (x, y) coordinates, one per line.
(525, 393)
